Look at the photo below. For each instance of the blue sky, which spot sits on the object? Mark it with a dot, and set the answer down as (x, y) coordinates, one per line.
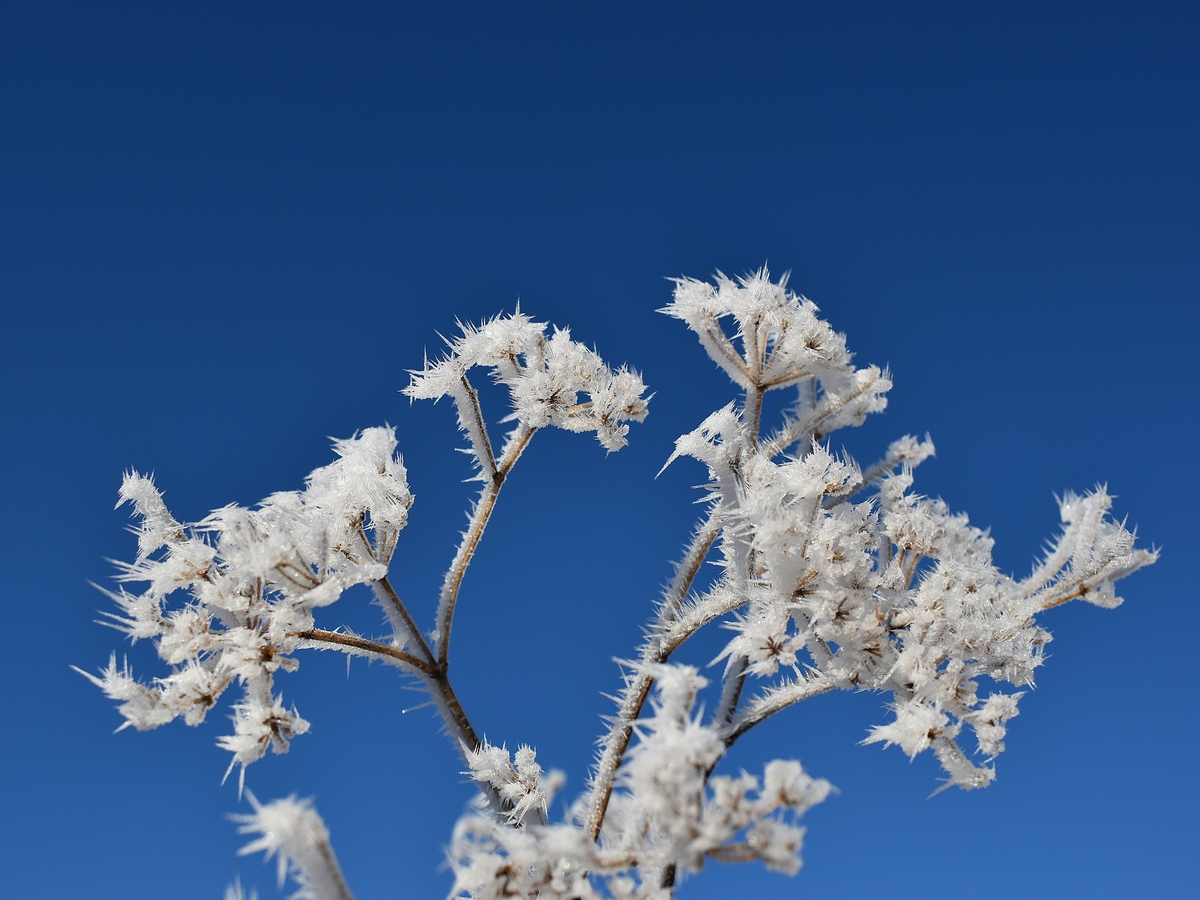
(227, 231)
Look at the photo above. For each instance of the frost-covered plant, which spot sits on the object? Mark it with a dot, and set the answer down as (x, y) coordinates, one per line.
(292, 831)
(832, 577)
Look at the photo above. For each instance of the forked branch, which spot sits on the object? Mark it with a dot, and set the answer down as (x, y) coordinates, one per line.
(481, 513)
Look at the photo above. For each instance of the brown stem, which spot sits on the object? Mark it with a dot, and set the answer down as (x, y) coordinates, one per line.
(384, 590)
(334, 871)
(687, 570)
(754, 404)
(912, 569)
(720, 342)
(321, 636)
(470, 396)
(636, 692)
(731, 693)
(1074, 594)
(461, 725)
(764, 711)
(812, 424)
(434, 676)
(614, 754)
(668, 878)
(479, 519)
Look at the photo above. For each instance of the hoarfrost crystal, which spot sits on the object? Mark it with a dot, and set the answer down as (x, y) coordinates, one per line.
(832, 577)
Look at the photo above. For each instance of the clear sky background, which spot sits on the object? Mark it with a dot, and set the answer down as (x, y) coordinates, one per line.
(227, 230)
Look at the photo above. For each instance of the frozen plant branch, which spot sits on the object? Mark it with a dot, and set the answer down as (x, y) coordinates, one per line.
(318, 638)
(293, 832)
(480, 515)
(830, 577)
(664, 638)
(544, 376)
(400, 619)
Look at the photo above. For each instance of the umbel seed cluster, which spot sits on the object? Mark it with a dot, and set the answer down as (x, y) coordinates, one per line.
(832, 577)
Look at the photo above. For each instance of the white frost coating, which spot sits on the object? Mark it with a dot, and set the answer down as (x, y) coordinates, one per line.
(780, 339)
(520, 785)
(547, 378)
(832, 576)
(667, 815)
(895, 593)
(291, 831)
(250, 580)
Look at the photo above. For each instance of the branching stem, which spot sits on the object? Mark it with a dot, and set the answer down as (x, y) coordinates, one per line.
(731, 692)
(667, 639)
(350, 642)
(433, 676)
(466, 550)
(763, 708)
(637, 689)
(398, 613)
(754, 405)
(466, 398)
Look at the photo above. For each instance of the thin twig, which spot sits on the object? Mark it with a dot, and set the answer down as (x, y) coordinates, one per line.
(453, 713)
(466, 399)
(686, 571)
(731, 692)
(780, 698)
(754, 404)
(398, 613)
(735, 673)
(810, 425)
(637, 689)
(333, 871)
(719, 342)
(363, 645)
(436, 680)
(613, 752)
(466, 550)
